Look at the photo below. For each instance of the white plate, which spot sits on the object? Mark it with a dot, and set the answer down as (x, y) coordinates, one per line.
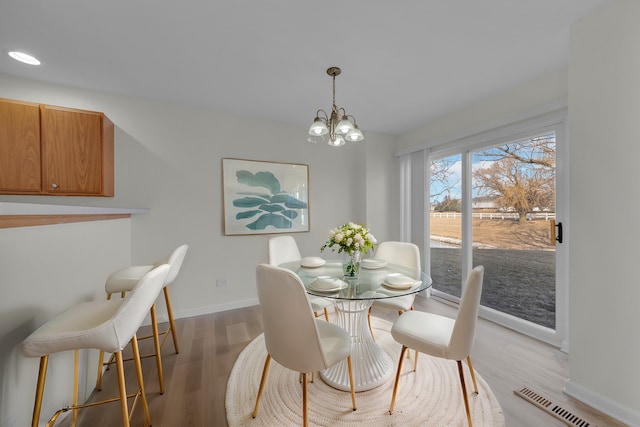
(373, 263)
(312, 262)
(399, 282)
(327, 285)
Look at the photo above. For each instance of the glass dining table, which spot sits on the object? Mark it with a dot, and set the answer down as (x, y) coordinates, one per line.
(352, 297)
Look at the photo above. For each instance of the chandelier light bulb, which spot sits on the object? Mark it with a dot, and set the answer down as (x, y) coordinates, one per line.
(355, 135)
(337, 142)
(344, 126)
(318, 127)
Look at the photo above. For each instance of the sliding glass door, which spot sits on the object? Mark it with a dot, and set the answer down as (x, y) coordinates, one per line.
(495, 205)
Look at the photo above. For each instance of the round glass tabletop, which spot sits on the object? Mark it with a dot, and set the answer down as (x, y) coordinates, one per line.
(377, 282)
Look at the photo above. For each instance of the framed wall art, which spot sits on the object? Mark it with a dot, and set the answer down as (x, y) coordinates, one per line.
(264, 197)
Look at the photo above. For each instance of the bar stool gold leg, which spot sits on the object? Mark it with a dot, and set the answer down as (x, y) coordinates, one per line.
(42, 375)
(172, 324)
(76, 357)
(100, 367)
(101, 363)
(124, 408)
(156, 342)
(136, 357)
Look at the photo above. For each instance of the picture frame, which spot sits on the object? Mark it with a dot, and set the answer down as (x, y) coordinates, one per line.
(262, 197)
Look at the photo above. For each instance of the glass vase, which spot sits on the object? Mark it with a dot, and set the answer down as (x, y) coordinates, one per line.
(351, 264)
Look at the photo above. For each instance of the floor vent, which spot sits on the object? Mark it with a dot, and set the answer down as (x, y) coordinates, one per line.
(552, 408)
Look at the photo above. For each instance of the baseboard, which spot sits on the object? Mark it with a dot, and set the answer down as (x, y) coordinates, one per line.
(603, 404)
(216, 308)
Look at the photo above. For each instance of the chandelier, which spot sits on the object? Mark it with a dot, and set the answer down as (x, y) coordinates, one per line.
(337, 127)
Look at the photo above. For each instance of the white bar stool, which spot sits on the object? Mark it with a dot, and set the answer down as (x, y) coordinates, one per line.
(103, 325)
(123, 281)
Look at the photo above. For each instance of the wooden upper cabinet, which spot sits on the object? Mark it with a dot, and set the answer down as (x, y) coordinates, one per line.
(20, 147)
(74, 152)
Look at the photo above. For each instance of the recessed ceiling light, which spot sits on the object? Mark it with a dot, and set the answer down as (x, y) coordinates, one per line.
(23, 57)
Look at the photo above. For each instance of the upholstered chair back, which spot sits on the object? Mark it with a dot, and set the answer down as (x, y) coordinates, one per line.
(290, 334)
(283, 249)
(464, 329)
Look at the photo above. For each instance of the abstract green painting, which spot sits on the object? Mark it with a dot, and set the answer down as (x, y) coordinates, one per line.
(265, 197)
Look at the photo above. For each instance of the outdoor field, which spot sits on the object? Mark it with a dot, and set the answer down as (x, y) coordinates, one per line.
(519, 263)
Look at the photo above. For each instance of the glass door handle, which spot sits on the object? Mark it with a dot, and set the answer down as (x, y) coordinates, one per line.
(559, 233)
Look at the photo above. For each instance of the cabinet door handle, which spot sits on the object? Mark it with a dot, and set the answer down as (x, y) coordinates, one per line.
(54, 185)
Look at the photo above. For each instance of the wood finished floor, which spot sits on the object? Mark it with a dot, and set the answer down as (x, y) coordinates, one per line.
(196, 378)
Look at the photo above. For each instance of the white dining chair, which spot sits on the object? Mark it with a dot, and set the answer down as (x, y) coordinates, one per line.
(401, 253)
(441, 336)
(294, 337)
(106, 325)
(122, 281)
(285, 249)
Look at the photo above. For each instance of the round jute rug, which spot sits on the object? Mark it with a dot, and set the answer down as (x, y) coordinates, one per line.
(431, 396)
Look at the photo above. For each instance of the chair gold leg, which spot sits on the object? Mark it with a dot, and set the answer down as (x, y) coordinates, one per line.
(395, 385)
(326, 314)
(74, 405)
(265, 371)
(101, 363)
(156, 342)
(408, 352)
(464, 392)
(369, 321)
(100, 366)
(415, 362)
(42, 375)
(473, 375)
(305, 420)
(353, 390)
(143, 395)
(123, 390)
(172, 323)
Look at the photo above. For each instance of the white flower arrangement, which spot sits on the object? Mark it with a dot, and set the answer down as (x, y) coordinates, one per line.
(350, 238)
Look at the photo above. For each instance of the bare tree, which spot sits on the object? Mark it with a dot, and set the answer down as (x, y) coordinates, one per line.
(519, 175)
(442, 182)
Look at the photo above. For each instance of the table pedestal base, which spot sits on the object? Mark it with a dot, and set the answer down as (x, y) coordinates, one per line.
(372, 366)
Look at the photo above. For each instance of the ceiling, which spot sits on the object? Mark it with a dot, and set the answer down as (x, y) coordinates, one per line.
(403, 62)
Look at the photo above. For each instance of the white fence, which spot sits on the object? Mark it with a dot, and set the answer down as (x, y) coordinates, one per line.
(514, 216)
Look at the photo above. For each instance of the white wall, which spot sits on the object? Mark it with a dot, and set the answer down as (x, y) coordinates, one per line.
(481, 115)
(382, 185)
(168, 159)
(604, 130)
